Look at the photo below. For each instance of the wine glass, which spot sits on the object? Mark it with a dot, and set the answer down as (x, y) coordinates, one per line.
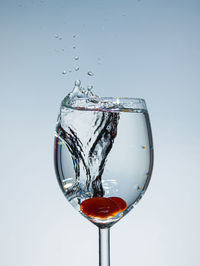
(103, 159)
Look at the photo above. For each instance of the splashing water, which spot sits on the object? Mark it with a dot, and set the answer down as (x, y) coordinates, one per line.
(89, 137)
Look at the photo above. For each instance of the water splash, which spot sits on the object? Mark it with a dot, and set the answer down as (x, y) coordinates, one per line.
(77, 83)
(89, 87)
(88, 140)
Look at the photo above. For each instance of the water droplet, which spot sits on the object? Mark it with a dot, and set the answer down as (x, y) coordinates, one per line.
(64, 72)
(74, 47)
(76, 58)
(76, 68)
(90, 73)
(74, 36)
(77, 83)
(60, 38)
(56, 36)
(143, 147)
(90, 87)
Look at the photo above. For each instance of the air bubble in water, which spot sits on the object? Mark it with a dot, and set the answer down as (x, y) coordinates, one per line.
(117, 101)
(76, 58)
(90, 73)
(138, 188)
(76, 68)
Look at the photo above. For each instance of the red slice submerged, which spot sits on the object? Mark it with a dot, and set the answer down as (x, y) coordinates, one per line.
(103, 208)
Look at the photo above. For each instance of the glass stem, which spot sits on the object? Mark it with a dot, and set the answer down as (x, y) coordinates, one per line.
(104, 246)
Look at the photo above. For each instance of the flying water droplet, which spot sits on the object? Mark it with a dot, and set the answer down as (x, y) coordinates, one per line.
(64, 72)
(56, 36)
(77, 83)
(76, 68)
(74, 47)
(90, 73)
(90, 87)
(76, 58)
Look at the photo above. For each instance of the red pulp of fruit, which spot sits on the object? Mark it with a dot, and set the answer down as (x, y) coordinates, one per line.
(103, 208)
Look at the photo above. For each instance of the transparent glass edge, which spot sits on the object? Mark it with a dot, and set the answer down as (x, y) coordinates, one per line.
(137, 103)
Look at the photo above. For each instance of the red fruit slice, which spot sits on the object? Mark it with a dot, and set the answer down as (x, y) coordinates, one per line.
(120, 203)
(103, 208)
(99, 207)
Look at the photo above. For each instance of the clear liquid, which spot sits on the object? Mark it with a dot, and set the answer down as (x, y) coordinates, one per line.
(103, 154)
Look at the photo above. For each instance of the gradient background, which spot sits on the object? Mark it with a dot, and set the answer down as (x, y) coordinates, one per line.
(148, 49)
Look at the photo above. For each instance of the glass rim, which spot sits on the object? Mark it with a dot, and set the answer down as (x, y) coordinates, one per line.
(101, 103)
